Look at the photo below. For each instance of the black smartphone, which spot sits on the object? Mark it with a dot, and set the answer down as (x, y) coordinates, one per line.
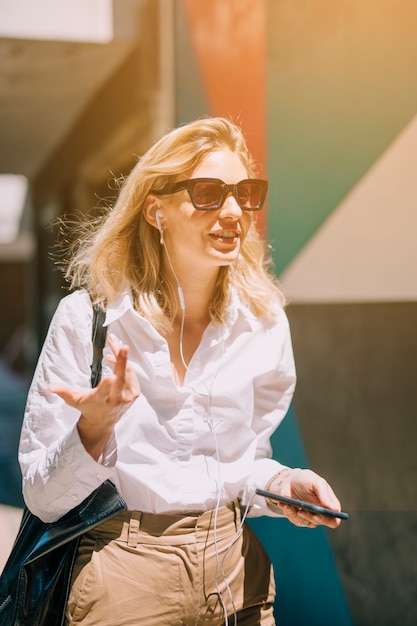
(301, 504)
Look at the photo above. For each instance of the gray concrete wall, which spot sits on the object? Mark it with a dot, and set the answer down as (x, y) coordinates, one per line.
(356, 403)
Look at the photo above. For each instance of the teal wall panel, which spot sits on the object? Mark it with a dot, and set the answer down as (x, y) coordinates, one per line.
(341, 86)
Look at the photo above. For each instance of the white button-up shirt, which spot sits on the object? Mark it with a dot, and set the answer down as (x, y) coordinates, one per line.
(177, 449)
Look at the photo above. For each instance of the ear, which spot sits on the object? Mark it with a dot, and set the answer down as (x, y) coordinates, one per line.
(150, 207)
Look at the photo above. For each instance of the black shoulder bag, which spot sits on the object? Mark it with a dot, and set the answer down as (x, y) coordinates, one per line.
(34, 584)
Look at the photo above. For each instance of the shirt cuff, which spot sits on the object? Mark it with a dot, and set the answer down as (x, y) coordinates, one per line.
(264, 470)
(88, 474)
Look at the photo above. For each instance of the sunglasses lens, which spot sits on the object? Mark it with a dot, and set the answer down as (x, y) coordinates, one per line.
(207, 194)
(251, 195)
(210, 194)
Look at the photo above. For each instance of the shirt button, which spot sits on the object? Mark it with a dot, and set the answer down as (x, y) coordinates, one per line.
(99, 476)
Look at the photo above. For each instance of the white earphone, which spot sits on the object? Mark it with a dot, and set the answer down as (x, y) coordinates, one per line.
(208, 419)
(158, 216)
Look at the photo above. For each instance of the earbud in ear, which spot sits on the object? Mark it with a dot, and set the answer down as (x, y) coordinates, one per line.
(158, 216)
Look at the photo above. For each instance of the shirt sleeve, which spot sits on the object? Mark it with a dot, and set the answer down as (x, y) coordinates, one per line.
(273, 392)
(58, 473)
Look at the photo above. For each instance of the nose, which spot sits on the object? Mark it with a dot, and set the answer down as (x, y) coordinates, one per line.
(231, 208)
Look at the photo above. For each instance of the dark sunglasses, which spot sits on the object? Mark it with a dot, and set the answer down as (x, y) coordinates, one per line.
(209, 194)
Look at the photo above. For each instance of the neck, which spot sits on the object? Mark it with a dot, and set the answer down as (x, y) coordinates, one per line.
(189, 325)
(197, 295)
(197, 289)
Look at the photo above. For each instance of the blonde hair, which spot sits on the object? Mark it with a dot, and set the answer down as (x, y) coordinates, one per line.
(124, 250)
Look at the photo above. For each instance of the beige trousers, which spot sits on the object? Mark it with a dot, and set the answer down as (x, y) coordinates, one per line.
(169, 570)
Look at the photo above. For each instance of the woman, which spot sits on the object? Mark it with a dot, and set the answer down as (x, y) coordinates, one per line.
(198, 373)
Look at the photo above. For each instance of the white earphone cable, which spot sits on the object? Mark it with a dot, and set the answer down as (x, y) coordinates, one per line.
(208, 419)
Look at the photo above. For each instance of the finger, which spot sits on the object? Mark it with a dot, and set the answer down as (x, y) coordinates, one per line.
(119, 358)
(119, 349)
(330, 500)
(301, 518)
(309, 520)
(70, 396)
(293, 514)
(119, 385)
(80, 397)
(120, 355)
(110, 358)
(73, 398)
(114, 343)
(313, 520)
(121, 361)
(325, 495)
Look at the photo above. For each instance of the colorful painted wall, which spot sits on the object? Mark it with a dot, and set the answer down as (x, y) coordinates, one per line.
(326, 93)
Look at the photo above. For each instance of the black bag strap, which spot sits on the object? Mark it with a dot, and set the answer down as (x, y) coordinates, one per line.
(98, 336)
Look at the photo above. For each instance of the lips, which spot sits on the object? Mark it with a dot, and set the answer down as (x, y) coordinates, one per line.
(225, 235)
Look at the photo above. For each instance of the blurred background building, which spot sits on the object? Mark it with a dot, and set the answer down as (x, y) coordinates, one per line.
(326, 93)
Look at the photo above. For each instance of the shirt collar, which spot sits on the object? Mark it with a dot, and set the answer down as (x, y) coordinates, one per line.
(236, 311)
(119, 307)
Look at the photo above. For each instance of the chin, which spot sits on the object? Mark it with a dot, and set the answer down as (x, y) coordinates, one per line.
(225, 259)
